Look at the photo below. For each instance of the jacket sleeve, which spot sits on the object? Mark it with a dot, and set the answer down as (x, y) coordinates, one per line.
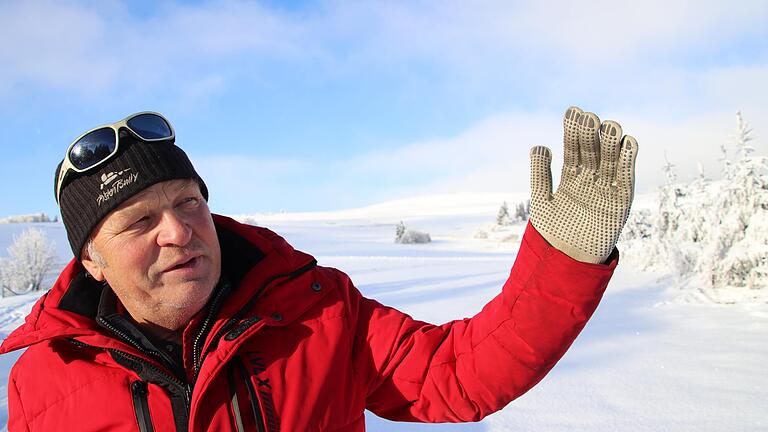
(17, 421)
(466, 369)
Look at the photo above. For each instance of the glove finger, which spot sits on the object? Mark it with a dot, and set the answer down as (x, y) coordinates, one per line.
(589, 142)
(610, 140)
(541, 174)
(625, 172)
(571, 141)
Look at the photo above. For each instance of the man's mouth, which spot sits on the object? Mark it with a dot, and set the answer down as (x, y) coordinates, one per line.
(189, 263)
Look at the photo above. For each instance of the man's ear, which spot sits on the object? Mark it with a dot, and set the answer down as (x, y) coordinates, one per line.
(93, 268)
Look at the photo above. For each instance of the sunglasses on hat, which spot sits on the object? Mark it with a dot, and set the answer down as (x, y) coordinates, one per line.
(96, 146)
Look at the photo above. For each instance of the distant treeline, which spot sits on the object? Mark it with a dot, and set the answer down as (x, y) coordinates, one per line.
(39, 217)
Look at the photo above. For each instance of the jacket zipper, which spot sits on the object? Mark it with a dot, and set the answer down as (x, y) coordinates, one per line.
(255, 408)
(141, 405)
(233, 399)
(126, 338)
(197, 344)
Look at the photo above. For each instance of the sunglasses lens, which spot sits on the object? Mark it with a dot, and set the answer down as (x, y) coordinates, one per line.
(150, 126)
(93, 148)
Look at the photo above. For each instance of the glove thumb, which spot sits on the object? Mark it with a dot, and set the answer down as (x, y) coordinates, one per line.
(541, 173)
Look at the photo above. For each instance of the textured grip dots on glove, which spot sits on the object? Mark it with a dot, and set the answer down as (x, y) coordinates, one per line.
(584, 217)
(541, 177)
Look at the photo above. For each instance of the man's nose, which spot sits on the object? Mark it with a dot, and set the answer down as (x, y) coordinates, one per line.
(174, 230)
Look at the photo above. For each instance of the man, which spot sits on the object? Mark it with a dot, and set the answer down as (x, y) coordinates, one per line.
(170, 318)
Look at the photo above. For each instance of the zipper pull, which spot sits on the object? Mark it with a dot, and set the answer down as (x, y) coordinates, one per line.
(141, 406)
(188, 396)
(140, 388)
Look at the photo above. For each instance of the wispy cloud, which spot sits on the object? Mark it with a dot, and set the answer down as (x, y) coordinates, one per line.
(54, 44)
(491, 156)
(85, 48)
(238, 182)
(75, 46)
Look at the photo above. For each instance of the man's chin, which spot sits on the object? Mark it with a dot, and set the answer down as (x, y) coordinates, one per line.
(187, 294)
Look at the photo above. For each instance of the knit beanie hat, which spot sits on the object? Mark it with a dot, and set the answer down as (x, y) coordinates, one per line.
(87, 197)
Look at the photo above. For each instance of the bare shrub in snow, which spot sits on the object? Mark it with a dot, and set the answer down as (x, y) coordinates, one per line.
(413, 237)
(31, 257)
(403, 235)
(510, 238)
(249, 220)
(714, 231)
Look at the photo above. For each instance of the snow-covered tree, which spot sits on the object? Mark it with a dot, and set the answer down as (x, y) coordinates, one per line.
(523, 211)
(502, 217)
(716, 231)
(742, 137)
(399, 231)
(725, 170)
(670, 220)
(737, 252)
(31, 257)
(639, 226)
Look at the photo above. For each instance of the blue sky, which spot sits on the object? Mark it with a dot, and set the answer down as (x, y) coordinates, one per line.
(330, 104)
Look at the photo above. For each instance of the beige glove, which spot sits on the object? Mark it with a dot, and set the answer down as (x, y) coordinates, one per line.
(584, 218)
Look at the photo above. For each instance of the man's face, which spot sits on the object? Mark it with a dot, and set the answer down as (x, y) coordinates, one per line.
(160, 253)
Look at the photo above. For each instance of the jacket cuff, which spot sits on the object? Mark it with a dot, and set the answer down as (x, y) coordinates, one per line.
(539, 246)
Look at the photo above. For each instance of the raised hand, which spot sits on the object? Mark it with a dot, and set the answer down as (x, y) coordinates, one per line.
(584, 217)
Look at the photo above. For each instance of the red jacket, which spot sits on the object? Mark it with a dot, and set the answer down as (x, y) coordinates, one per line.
(294, 346)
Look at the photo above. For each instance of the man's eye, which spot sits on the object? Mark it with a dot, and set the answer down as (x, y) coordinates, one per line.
(190, 201)
(140, 221)
(136, 224)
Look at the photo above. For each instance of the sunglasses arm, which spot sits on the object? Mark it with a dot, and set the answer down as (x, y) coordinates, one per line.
(66, 166)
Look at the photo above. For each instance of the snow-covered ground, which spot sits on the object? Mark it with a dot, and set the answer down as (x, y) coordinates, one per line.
(646, 361)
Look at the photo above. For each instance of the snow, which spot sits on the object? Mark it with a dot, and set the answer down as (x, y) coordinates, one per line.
(12, 313)
(648, 360)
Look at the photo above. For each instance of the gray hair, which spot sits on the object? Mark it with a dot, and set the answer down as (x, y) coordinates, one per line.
(93, 254)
